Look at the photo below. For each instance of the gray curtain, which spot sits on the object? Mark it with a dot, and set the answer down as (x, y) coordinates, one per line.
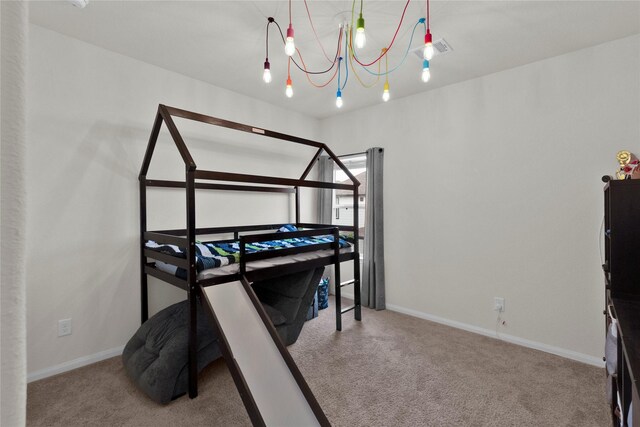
(373, 265)
(325, 174)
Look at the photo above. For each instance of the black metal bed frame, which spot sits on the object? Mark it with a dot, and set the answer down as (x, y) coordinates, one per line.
(186, 238)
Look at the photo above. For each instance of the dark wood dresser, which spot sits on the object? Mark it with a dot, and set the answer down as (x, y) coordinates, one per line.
(622, 293)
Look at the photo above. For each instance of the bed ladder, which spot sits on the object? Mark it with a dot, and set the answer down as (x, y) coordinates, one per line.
(356, 307)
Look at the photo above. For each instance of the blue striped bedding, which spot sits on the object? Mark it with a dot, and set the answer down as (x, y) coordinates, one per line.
(218, 254)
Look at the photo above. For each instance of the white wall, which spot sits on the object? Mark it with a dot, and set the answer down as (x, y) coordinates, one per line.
(14, 17)
(499, 177)
(90, 112)
(492, 188)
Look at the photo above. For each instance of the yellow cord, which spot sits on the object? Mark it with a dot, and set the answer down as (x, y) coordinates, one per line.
(386, 66)
(353, 68)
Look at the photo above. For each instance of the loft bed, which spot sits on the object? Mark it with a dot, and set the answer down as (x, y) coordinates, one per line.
(176, 257)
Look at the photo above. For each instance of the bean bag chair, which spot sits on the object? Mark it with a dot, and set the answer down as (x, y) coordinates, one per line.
(290, 295)
(156, 357)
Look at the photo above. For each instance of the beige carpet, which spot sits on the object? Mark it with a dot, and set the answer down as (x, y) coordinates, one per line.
(389, 370)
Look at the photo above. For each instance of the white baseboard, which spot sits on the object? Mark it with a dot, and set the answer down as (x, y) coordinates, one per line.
(74, 364)
(569, 354)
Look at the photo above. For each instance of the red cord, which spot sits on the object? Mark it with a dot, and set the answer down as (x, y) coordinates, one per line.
(304, 66)
(428, 27)
(309, 78)
(316, 34)
(388, 47)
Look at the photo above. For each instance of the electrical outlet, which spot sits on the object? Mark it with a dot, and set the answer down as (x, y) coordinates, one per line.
(64, 327)
(498, 304)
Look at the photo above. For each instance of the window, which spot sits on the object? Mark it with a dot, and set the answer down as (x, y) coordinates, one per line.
(342, 200)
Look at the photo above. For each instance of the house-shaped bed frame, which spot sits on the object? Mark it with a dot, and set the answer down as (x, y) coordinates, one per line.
(186, 238)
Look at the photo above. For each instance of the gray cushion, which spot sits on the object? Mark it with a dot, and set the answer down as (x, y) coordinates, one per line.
(291, 295)
(284, 293)
(156, 356)
(276, 317)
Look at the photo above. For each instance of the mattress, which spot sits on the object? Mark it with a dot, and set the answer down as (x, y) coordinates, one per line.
(216, 259)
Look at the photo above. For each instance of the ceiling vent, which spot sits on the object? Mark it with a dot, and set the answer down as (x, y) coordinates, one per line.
(440, 47)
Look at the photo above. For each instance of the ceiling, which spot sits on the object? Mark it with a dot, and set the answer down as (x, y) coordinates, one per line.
(223, 42)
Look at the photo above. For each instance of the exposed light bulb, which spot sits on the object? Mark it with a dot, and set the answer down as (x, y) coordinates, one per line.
(289, 46)
(426, 74)
(428, 46)
(428, 51)
(339, 99)
(266, 76)
(79, 3)
(385, 92)
(289, 90)
(361, 38)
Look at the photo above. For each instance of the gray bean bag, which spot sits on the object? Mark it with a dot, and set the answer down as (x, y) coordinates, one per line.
(156, 356)
(290, 295)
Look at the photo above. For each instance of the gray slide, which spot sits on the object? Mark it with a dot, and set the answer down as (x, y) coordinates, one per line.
(270, 384)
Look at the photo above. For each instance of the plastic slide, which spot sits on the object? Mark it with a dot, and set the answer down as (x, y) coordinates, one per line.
(266, 371)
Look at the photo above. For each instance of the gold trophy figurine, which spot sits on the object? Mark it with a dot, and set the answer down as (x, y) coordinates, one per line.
(629, 166)
(623, 158)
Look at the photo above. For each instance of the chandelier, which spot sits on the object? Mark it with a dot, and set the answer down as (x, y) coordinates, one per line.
(350, 39)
